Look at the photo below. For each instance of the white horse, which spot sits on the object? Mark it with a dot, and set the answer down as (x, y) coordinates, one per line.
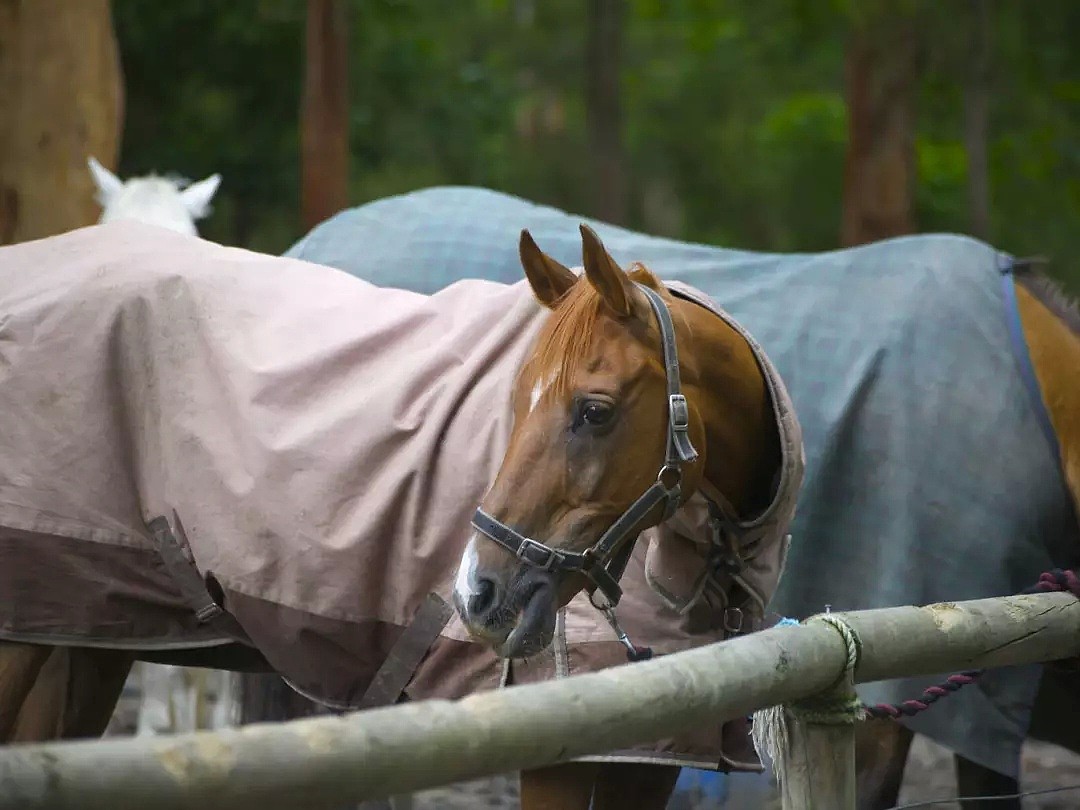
(168, 202)
(169, 699)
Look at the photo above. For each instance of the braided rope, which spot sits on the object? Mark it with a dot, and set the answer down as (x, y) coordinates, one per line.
(824, 712)
(1050, 581)
(769, 727)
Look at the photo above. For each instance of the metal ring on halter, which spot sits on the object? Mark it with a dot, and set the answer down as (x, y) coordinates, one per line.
(669, 470)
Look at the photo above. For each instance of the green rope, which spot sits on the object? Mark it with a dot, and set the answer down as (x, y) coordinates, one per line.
(829, 711)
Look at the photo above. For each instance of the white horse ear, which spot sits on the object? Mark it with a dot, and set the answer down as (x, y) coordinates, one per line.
(197, 196)
(108, 184)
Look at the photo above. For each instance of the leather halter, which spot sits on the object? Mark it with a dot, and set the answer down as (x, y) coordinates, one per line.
(604, 562)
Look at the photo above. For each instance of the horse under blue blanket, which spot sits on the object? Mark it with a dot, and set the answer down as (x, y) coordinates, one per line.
(927, 479)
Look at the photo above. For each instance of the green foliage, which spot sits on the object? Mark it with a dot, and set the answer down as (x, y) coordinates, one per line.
(733, 113)
(214, 87)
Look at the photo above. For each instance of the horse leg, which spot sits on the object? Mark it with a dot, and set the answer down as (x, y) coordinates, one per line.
(973, 779)
(881, 751)
(559, 787)
(647, 787)
(41, 715)
(98, 678)
(19, 668)
(73, 696)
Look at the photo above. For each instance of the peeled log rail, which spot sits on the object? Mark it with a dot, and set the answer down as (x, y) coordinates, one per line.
(325, 762)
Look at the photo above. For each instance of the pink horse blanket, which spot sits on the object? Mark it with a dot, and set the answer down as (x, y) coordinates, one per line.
(205, 448)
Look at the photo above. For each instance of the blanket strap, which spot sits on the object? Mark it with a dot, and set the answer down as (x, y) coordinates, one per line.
(408, 651)
(172, 548)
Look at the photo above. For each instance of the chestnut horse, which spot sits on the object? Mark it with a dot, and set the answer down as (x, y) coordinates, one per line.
(631, 401)
(1051, 330)
(592, 433)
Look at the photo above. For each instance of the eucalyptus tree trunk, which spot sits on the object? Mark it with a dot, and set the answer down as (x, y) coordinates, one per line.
(61, 101)
(603, 108)
(324, 113)
(977, 118)
(881, 75)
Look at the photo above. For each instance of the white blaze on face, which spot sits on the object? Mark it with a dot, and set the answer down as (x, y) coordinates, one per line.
(466, 574)
(538, 390)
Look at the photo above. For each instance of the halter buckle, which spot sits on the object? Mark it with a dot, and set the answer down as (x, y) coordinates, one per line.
(678, 413)
(550, 556)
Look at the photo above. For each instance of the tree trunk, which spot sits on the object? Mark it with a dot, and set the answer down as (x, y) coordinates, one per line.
(324, 113)
(977, 118)
(882, 66)
(603, 112)
(61, 97)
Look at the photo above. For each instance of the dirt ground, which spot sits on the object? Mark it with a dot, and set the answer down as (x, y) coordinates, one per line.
(929, 776)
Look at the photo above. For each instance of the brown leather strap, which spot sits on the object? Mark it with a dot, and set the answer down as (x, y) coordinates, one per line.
(405, 656)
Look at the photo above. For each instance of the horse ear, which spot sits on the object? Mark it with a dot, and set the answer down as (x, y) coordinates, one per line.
(549, 280)
(604, 273)
(197, 196)
(108, 184)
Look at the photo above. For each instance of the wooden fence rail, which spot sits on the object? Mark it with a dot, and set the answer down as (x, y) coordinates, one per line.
(326, 762)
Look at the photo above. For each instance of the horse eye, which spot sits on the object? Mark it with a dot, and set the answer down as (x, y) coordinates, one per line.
(594, 413)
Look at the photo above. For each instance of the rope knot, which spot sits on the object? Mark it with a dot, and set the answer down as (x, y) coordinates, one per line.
(838, 705)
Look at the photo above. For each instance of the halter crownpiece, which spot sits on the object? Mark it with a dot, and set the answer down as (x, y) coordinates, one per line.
(604, 562)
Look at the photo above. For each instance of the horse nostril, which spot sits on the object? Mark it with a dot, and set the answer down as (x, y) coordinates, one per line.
(483, 598)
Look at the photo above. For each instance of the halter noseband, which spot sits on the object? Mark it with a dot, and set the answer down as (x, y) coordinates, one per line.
(604, 562)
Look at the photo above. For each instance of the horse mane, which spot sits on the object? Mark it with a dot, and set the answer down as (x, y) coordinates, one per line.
(566, 337)
(1052, 295)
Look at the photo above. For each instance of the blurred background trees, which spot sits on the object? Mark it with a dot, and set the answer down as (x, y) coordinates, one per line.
(783, 125)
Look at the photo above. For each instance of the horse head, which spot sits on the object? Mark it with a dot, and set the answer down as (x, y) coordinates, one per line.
(166, 202)
(629, 401)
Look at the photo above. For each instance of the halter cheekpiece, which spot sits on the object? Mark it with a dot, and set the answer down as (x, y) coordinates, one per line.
(603, 563)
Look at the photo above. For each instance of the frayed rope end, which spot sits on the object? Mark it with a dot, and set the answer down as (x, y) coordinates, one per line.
(769, 731)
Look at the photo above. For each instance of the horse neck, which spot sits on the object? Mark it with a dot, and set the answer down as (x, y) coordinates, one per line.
(742, 453)
(1055, 354)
